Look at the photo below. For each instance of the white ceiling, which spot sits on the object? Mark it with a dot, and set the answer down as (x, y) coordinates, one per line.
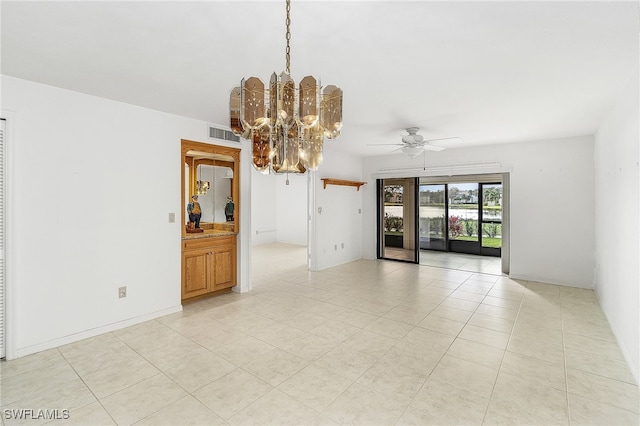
(489, 72)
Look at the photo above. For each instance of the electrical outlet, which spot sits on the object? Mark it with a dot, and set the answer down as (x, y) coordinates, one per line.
(122, 292)
(172, 218)
(342, 245)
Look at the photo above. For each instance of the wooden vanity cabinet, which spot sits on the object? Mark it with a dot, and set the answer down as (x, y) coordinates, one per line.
(208, 265)
(209, 258)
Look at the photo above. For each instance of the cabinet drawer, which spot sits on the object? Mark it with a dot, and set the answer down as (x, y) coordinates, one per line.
(200, 243)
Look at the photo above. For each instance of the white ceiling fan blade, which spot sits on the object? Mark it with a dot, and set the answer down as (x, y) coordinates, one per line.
(448, 140)
(428, 147)
(415, 144)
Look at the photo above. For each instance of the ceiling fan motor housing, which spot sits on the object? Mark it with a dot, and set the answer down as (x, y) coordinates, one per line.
(413, 138)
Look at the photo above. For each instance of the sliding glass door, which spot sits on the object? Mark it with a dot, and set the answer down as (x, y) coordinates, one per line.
(475, 218)
(432, 220)
(462, 216)
(397, 219)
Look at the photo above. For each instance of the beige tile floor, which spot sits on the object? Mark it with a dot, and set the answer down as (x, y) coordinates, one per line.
(449, 260)
(368, 342)
(462, 262)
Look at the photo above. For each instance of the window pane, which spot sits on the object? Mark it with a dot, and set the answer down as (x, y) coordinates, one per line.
(492, 203)
(463, 211)
(492, 235)
(432, 217)
(393, 213)
(492, 215)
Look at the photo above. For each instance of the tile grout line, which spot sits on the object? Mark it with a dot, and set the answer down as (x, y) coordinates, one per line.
(564, 362)
(504, 354)
(98, 400)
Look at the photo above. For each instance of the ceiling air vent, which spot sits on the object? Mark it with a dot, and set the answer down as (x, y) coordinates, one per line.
(215, 133)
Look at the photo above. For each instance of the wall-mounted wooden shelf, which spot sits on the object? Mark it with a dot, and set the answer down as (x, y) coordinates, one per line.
(330, 181)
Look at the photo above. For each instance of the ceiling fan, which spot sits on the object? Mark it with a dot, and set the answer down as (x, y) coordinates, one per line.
(414, 144)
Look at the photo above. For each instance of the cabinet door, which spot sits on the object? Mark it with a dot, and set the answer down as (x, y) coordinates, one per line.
(223, 267)
(195, 277)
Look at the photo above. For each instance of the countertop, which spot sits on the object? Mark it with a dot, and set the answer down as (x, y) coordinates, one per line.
(208, 233)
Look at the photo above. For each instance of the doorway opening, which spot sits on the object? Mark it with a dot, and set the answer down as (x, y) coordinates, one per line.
(280, 236)
(397, 219)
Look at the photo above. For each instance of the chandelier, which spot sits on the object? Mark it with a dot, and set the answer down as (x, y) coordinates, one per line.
(285, 125)
(202, 186)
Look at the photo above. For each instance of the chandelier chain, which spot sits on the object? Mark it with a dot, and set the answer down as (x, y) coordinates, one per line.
(288, 68)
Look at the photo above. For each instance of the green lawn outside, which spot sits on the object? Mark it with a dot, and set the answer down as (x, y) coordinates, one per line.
(486, 242)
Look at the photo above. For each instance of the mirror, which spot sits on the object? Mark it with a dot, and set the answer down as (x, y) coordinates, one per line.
(213, 187)
(211, 172)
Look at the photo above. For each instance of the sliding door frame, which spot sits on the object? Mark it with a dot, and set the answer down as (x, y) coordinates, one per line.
(489, 172)
(414, 214)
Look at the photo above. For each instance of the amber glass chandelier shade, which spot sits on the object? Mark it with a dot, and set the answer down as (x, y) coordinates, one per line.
(234, 111)
(261, 149)
(252, 108)
(286, 125)
(309, 102)
(311, 148)
(282, 101)
(331, 112)
(286, 150)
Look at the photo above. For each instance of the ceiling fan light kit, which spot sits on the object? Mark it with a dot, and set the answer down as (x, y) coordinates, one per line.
(412, 151)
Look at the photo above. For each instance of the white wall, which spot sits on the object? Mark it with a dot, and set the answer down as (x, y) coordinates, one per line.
(280, 213)
(85, 219)
(263, 213)
(552, 203)
(616, 221)
(338, 228)
(291, 209)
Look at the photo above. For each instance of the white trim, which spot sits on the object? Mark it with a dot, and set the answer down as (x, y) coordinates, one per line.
(443, 170)
(621, 343)
(3, 280)
(505, 252)
(544, 280)
(244, 238)
(94, 332)
(312, 220)
(9, 252)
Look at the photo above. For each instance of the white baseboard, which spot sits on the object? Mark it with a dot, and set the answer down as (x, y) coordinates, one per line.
(544, 280)
(28, 350)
